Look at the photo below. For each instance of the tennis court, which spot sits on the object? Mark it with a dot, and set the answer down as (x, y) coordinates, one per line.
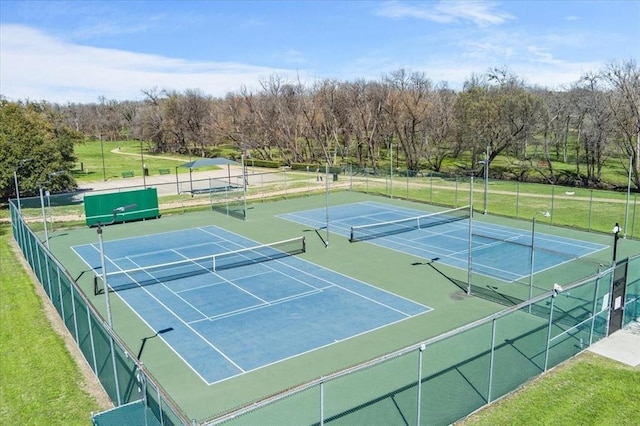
(497, 251)
(229, 306)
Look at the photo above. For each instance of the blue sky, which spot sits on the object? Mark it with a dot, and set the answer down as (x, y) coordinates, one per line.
(78, 51)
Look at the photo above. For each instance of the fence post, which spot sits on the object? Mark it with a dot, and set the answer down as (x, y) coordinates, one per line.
(590, 207)
(115, 367)
(455, 202)
(73, 312)
(546, 351)
(418, 414)
(633, 216)
(517, 197)
(407, 183)
(553, 196)
(430, 187)
(493, 345)
(37, 258)
(30, 241)
(46, 265)
(595, 306)
(60, 295)
(321, 403)
(160, 409)
(93, 346)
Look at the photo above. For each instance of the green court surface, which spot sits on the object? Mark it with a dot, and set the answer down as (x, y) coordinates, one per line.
(438, 286)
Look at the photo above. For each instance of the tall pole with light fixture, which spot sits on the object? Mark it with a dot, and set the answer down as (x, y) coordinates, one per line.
(104, 169)
(326, 202)
(486, 180)
(470, 242)
(391, 168)
(626, 208)
(144, 167)
(244, 185)
(102, 258)
(15, 180)
(104, 275)
(533, 250)
(616, 237)
(106, 289)
(44, 216)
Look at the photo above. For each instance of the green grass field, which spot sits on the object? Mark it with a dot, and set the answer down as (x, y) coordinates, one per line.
(588, 390)
(40, 382)
(120, 157)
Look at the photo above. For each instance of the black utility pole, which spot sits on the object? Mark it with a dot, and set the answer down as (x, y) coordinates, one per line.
(616, 231)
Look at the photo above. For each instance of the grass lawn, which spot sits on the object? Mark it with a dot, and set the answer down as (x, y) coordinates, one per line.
(588, 390)
(122, 156)
(40, 382)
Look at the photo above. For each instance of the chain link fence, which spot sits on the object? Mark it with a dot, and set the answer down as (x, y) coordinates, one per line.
(438, 381)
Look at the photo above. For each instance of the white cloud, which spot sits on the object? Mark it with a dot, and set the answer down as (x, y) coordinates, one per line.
(37, 66)
(480, 13)
(487, 50)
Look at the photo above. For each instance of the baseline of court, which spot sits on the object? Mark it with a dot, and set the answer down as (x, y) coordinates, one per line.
(236, 320)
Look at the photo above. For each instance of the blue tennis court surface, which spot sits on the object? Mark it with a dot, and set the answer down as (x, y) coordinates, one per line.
(242, 318)
(497, 251)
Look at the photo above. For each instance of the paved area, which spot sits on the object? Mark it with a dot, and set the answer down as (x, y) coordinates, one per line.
(165, 184)
(622, 346)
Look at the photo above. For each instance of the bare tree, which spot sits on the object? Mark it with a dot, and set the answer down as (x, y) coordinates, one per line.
(593, 127)
(624, 102)
(440, 138)
(408, 106)
(498, 114)
(150, 122)
(366, 120)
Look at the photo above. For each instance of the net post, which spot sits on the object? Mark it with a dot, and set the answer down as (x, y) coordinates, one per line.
(304, 244)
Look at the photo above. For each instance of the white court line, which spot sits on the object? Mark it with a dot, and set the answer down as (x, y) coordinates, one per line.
(188, 326)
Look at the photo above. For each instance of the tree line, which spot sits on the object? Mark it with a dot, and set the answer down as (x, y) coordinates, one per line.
(427, 125)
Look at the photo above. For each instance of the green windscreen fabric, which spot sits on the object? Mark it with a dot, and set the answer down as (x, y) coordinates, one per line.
(121, 206)
(632, 294)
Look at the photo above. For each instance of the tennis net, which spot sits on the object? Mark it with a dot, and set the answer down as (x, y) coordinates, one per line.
(381, 229)
(577, 265)
(153, 274)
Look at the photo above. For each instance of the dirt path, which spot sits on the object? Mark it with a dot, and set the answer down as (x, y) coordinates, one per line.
(490, 191)
(133, 154)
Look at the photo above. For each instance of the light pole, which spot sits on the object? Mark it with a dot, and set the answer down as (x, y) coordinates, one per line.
(245, 179)
(626, 208)
(102, 258)
(470, 242)
(104, 275)
(485, 165)
(144, 167)
(326, 201)
(533, 239)
(616, 237)
(15, 180)
(391, 168)
(104, 170)
(44, 214)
